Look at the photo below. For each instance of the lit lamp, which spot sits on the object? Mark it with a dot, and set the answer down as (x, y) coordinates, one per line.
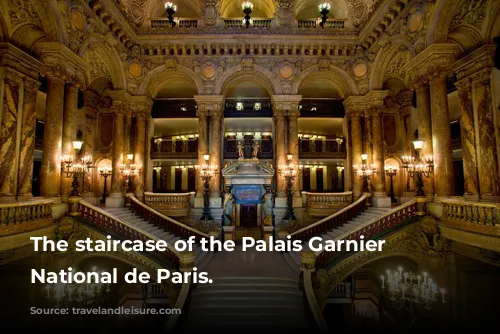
(74, 168)
(364, 171)
(129, 171)
(170, 8)
(422, 166)
(288, 171)
(206, 173)
(247, 8)
(324, 9)
(391, 172)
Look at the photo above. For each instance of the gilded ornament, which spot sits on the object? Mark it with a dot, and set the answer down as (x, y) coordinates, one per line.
(78, 19)
(209, 71)
(135, 69)
(360, 70)
(286, 71)
(415, 21)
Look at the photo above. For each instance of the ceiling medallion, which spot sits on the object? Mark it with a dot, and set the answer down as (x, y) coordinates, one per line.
(360, 70)
(286, 71)
(209, 71)
(135, 69)
(78, 19)
(415, 21)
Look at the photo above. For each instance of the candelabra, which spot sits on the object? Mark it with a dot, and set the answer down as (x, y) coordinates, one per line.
(364, 171)
(105, 173)
(289, 172)
(403, 287)
(419, 167)
(324, 9)
(391, 172)
(67, 294)
(170, 8)
(206, 172)
(247, 8)
(76, 168)
(129, 171)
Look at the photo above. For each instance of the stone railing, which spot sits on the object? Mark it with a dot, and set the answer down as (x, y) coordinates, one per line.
(118, 228)
(259, 23)
(162, 221)
(332, 221)
(469, 212)
(180, 23)
(168, 200)
(12, 214)
(342, 290)
(328, 200)
(314, 23)
(371, 230)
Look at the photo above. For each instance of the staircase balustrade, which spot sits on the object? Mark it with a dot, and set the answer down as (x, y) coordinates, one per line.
(168, 201)
(168, 224)
(25, 212)
(469, 212)
(332, 221)
(370, 230)
(328, 200)
(121, 229)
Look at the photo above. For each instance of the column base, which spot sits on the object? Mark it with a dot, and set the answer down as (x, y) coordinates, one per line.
(381, 200)
(115, 200)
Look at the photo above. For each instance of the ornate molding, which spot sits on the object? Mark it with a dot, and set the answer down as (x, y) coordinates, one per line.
(210, 105)
(473, 63)
(285, 104)
(16, 60)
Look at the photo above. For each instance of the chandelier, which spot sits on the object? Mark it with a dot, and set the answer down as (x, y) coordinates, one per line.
(65, 294)
(171, 9)
(421, 166)
(402, 287)
(76, 168)
(206, 171)
(324, 9)
(129, 171)
(364, 171)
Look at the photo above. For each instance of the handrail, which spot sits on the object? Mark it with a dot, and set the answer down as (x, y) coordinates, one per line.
(171, 225)
(106, 221)
(21, 212)
(471, 212)
(345, 193)
(369, 229)
(331, 221)
(313, 301)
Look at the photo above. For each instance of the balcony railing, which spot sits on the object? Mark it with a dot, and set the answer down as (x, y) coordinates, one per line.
(469, 212)
(164, 148)
(314, 23)
(322, 148)
(327, 200)
(231, 149)
(181, 23)
(254, 23)
(17, 217)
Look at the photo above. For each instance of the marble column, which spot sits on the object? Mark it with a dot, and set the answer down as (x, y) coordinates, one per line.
(127, 130)
(202, 146)
(444, 179)
(215, 150)
(70, 125)
(468, 138)
(380, 198)
(91, 105)
(357, 147)
(8, 137)
(280, 152)
(368, 140)
(293, 146)
(27, 147)
(489, 183)
(117, 151)
(425, 130)
(50, 176)
(139, 150)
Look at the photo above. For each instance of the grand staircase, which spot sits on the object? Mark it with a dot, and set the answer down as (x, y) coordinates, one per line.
(250, 304)
(369, 214)
(127, 215)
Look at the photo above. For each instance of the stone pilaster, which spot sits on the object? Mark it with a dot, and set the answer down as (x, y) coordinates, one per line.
(142, 113)
(12, 86)
(283, 105)
(367, 135)
(91, 105)
(127, 131)
(293, 147)
(70, 125)
(357, 150)
(119, 110)
(489, 183)
(215, 149)
(444, 178)
(378, 153)
(468, 138)
(202, 145)
(50, 175)
(27, 148)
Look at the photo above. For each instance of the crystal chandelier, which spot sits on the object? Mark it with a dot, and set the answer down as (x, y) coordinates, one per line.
(402, 287)
(65, 294)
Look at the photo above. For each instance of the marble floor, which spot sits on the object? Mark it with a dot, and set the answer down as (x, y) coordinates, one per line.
(249, 263)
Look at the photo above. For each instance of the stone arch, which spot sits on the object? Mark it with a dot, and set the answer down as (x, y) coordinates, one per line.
(467, 37)
(437, 29)
(158, 76)
(493, 28)
(107, 65)
(260, 74)
(4, 33)
(394, 85)
(337, 76)
(383, 60)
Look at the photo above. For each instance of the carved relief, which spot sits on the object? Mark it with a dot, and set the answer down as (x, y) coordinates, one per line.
(395, 69)
(134, 10)
(210, 12)
(470, 12)
(98, 67)
(23, 12)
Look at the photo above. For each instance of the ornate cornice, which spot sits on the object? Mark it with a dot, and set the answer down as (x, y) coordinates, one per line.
(210, 105)
(360, 103)
(285, 104)
(19, 62)
(60, 61)
(475, 62)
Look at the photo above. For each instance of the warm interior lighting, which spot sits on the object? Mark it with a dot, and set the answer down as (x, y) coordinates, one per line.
(364, 156)
(289, 157)
(247, 5)
(77, 145)
(418, 144)
(169, 5)
(130, 157)
(206, 157)
(324, 6)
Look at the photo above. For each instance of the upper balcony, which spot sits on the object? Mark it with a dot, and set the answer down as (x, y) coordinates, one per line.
(321, 147)
(175, 147)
